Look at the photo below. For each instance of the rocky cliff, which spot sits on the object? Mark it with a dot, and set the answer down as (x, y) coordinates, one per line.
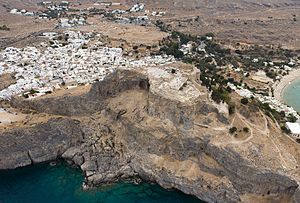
(156, 127)
(38, 143)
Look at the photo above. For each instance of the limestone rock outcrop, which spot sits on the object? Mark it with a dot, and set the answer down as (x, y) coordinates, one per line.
(129, 127)
(39, 143)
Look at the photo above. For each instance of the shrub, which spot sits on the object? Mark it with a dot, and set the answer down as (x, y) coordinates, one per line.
(184, 38)
(244, 101)
(246, 129)
(285, 130)
(32, 91)
(231, 109)
(232, 130)
(292, 119)
(4, 27)
(228, 89)
(25, 96)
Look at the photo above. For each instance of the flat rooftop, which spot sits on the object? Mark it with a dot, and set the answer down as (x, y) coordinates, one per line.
(294, 127)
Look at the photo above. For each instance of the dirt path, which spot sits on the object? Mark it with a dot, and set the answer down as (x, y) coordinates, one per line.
(249, 125)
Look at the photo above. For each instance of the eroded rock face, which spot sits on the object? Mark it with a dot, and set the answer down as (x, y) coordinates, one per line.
(93, 101)
(125, 129)
(39, 143)
(198, 167)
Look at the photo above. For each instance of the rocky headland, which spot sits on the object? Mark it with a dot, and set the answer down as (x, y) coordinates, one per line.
(157, 125)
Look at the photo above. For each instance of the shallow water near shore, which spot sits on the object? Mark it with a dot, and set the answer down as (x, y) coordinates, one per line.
(291, 95)
(61, 183)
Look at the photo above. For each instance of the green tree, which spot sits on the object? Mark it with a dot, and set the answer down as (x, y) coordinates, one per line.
(173, 49)
(291, 118)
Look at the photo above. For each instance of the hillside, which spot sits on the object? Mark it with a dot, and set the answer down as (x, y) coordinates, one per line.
(130, 125)
(217, 4)
(261, 22)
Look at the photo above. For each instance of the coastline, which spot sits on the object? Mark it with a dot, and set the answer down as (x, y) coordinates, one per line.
(28, 185)
(284, 82)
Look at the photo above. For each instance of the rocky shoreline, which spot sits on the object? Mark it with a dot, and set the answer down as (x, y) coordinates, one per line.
(122, 128)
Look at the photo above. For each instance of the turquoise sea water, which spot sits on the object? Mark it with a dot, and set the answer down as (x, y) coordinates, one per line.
(62, 184)
(291, 95)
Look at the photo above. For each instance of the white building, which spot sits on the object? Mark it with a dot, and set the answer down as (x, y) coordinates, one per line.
(294, 128)
(16, 11)
(137, 8)
(65, 65)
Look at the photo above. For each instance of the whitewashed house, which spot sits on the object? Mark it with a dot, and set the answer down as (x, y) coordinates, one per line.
(294, 128)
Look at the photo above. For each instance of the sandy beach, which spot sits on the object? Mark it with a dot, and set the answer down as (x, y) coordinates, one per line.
(284, 82)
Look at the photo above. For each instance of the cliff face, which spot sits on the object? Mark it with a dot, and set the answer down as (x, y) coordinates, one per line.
(185, 158)
(128, 126)
(42, 142)
(86, 104)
